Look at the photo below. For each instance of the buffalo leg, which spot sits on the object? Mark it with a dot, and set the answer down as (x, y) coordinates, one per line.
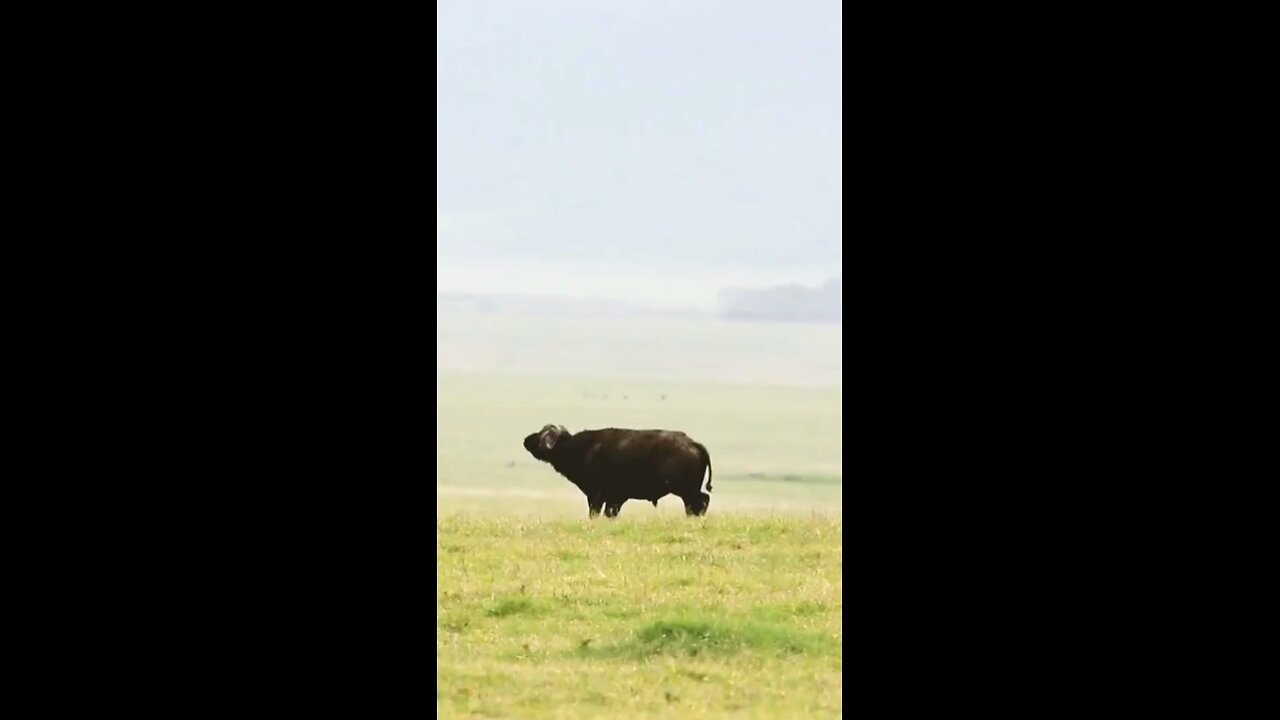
(593, 506)
(613, 508)
(704, 502)
(696, 505)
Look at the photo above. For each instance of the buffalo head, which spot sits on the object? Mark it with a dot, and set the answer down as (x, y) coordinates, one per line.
(542, 443)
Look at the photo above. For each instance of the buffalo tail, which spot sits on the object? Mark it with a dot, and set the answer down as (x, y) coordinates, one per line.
(706, 457)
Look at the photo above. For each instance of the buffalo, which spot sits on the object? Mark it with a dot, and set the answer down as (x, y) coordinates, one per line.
(614, 465)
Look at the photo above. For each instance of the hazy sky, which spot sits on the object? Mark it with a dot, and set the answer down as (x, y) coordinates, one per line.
(637, 149)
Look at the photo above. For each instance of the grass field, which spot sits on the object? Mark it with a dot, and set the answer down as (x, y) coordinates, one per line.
(773, 449)
(541, 613)
(730, 616)
(694, 349)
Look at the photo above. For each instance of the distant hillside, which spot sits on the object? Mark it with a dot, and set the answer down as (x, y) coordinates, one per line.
(785, 303)
(557, 306)
(792, 303)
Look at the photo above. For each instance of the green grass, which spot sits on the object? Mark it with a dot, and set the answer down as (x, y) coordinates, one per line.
(733, 615)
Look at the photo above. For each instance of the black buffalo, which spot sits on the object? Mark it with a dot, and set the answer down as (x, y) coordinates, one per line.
(612, 466)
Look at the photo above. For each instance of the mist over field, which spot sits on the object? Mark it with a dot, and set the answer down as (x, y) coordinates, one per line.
(655, 152)
(639, 225)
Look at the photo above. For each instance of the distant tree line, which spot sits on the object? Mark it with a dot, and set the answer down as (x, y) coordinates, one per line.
(784, 303)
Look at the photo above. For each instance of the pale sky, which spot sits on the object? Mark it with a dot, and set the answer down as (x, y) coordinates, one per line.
(637, 150)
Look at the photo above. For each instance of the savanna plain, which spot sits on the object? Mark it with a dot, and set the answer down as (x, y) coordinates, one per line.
(542, 613)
